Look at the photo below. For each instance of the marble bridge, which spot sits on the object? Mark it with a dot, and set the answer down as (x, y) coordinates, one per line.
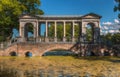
(38, 45)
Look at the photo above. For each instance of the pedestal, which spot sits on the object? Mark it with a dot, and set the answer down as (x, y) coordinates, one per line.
(73, 39)
(23, 39)
(38, 39)
(46, 39)
(55, 39)
(64, 39)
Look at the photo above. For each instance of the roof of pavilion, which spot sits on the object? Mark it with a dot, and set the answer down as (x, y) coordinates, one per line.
(90, 15)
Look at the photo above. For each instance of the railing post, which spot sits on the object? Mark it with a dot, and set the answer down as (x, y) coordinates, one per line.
(1, 45)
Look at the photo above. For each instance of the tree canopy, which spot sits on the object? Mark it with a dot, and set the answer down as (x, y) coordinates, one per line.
(117, 7)
(60, 31)
(10, 10)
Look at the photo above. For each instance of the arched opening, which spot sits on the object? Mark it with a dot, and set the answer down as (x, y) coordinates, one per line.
(58, 52)
(29, 32)
(90, 32)
(28, 54)
(13, 53)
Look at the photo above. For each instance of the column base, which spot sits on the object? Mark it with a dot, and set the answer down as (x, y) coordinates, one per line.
(46, 39)
(73, 39)
(55, 39)
(1, 45)
(22, 39)
(64, 39)
(38, 39)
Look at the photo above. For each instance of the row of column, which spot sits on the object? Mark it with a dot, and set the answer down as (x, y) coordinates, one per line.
(64, 31)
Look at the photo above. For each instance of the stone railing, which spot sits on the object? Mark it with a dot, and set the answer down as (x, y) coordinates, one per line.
(51, 40)
(6, 44)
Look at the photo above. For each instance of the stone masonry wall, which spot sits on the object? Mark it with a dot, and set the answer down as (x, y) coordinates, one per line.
(36, 49)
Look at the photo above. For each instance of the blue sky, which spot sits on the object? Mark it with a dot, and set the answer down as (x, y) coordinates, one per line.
(80, 7)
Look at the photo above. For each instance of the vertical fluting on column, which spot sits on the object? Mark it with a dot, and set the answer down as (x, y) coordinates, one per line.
(73, 31)
(55, 32)
(46, 32)
(64, 30)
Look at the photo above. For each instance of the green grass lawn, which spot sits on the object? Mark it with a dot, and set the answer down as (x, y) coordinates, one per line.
(96, 66)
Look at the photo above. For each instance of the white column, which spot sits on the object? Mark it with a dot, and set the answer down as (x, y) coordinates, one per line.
(64, 30)
(37, 34)
(73, 31)
(20, 29)
(22, 32)
(46, 33)
(35, 30)
(39, 37)
(37, 24)
(55, 37)
(84, 28)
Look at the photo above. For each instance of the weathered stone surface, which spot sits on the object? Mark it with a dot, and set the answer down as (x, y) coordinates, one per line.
(37, 49)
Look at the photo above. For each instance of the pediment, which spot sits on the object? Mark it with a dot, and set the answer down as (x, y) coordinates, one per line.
(27, 16)
(92, 16)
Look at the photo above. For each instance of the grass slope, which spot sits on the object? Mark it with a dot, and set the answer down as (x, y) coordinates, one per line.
(96, 66)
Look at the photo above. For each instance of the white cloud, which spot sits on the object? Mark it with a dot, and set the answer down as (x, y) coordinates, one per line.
(111, 31)
(105, 27)
(110, 27)
(116, 21)
(107, 23)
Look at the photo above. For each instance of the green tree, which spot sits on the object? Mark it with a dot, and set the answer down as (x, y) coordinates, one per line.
(116, 38)
(88, 34)
(60, 31)
(51, 31)
(117, 7)
(10, 10)
(31, 6)
(107, 39)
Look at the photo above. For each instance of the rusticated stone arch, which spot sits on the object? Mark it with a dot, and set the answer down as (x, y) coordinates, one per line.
(13, 53)
(95, 29)
(92, 27)
(54, 47)
(28, 53)
(7, 51)
(22, 27)
(93, 24)
(26, 29)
